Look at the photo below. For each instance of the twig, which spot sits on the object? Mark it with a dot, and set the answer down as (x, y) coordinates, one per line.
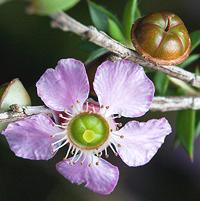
(162, 104)
(165, 104)
(19, 112)
(67, 23)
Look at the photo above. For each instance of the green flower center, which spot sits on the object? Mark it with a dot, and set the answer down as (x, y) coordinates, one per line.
(88, 130)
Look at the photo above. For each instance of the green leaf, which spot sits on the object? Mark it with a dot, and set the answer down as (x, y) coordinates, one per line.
(4, 1)
(131, 13)
(185, 88)
(161, 83)
(114, 31)
(195, 39)
(192, 58)
(100, 16)
(185, 130)
(95, 54)
(46, 7)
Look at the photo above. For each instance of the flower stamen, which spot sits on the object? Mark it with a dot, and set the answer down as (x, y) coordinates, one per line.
(62, 145)
(113, 147)
(68, 113)
(65, 118)
(64, 138)
(68, 151)
(60, 126)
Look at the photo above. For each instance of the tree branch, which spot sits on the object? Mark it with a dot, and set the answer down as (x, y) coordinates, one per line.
(162, 104)
(67, 23)
(19, 112)
(175, 103)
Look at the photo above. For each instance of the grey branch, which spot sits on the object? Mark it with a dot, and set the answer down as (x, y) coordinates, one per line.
(20, 112)
(67, 23)
(175, 103)
(162, 104)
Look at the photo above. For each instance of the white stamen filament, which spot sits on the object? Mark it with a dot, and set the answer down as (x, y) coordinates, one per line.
(87, 106)
(57, 134)
(68, 151)
(83, 159)
(62, 145)
(68, 113)
(78, 158)
(73, 148)
(64, 138)
(106, 153)
(93, 109)
(113, 147)
(60, 126)
(91, 161)
(75, 154)
(65, 118)
(121, 136)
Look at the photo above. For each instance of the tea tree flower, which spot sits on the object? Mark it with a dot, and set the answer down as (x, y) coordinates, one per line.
(89, 128)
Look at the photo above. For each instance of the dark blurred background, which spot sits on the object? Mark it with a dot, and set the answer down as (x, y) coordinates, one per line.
(28, 46)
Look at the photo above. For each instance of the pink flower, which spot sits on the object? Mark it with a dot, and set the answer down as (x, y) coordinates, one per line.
(89, 128)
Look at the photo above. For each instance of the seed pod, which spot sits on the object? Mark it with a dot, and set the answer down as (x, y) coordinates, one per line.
(161, 38)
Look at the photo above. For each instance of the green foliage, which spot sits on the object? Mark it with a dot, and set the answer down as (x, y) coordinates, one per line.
(183, 87)
(161, 82)
(4, 1)
(100, 16)
(104, 20)
(95, 54)
(46, 7)
(197, 130)
(131, 13)
(114, 31)
(185, 130)
(192, 58)
(195, 39)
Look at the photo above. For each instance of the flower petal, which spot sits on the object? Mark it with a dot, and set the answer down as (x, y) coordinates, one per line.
(141, 140)
(100, 178)
(31, 138)
(61, 88)
(124, 87)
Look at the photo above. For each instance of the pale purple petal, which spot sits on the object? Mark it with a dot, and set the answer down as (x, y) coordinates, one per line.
(31, 138)
(141, 140)
(100, 178)
(61, 88)
(124, 87)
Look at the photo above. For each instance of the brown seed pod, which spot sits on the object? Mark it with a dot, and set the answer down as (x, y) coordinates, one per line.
(161, 38)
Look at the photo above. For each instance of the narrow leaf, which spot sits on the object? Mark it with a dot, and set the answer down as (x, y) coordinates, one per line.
(186, 88)
(195, 39)
(4, 1)
(131, 13)
(100, 16)
(95, 54)
(161, 83)
(114, 31)
(185, 130)
(46, 7)
(192, 58)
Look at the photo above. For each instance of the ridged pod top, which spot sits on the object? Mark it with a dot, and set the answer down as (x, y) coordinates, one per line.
(161, 38)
